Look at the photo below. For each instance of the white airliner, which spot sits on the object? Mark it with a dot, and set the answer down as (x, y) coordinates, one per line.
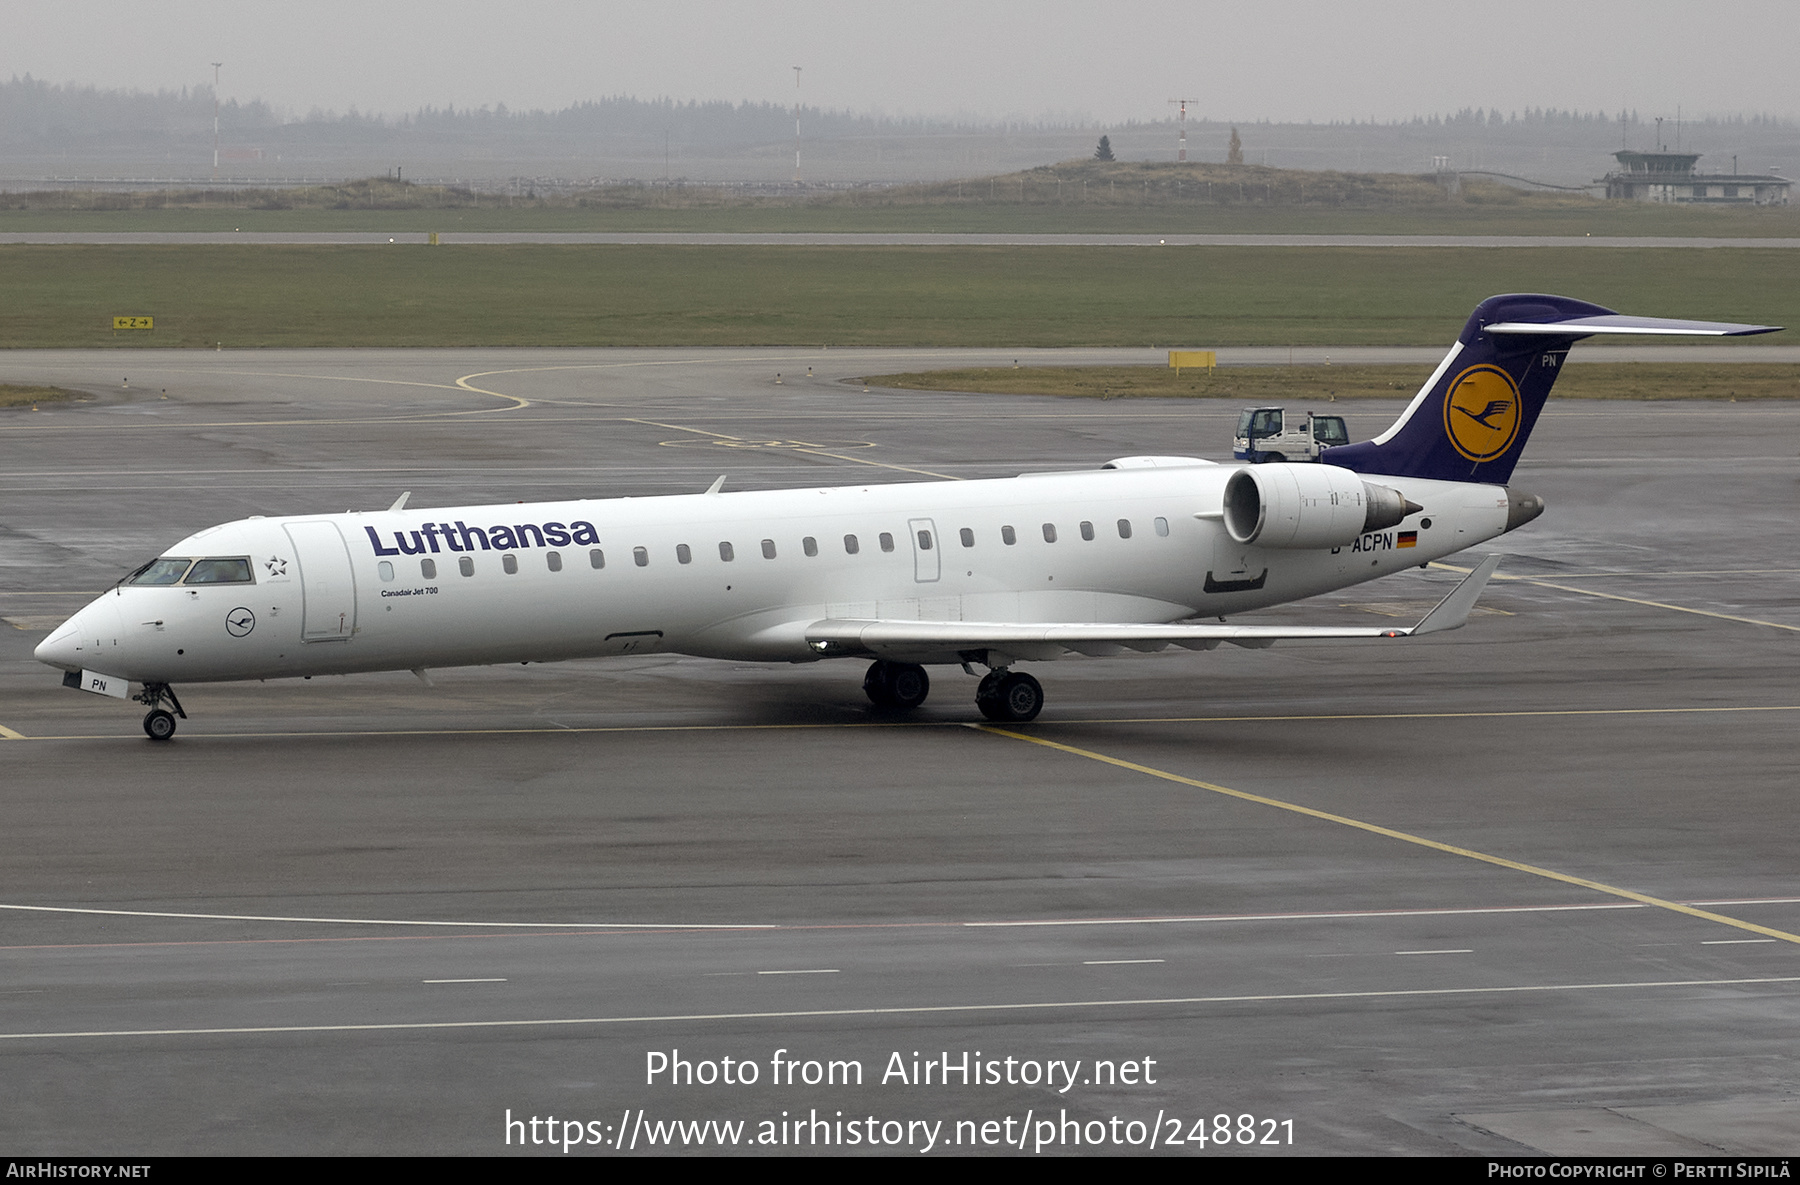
(969, 573)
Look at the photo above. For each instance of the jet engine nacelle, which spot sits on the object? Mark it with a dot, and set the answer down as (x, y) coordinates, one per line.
(1308, 506)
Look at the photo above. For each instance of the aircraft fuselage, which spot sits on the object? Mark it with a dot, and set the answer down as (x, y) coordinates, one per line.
(728, 575)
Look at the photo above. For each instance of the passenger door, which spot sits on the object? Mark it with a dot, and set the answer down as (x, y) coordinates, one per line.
(327, 582)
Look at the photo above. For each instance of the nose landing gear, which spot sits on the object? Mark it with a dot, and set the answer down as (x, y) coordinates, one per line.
(159, 722)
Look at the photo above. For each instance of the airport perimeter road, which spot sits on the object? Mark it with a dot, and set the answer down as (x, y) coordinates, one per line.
(1524, 887)
(871, 239)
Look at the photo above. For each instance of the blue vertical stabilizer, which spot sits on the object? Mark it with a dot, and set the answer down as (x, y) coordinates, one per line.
(1474, 414)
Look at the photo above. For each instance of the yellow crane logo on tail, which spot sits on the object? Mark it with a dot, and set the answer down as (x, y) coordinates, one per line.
(1481, 413)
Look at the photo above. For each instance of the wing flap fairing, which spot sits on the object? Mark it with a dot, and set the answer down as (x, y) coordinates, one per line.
(888, 638)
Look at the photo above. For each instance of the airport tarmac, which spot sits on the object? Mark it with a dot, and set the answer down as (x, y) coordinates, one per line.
(867, 239)
(1525, 888)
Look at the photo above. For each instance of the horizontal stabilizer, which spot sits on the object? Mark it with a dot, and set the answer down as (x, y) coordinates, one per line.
(1619, 323)
(941, 641)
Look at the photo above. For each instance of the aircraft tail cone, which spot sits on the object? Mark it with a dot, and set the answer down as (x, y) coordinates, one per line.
(1521, 508)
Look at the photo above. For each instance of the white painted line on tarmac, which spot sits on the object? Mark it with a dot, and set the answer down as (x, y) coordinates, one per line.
(1734, 941)
(1459, 951)
(810, 971)
(1117, 962)
(573, 730)
(919, 1010)
(240, 917)
(462, 981)
(1325, 915)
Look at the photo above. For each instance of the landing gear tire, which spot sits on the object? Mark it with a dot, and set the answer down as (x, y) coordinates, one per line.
(902, 685)
(1010, 697)
(159, 724)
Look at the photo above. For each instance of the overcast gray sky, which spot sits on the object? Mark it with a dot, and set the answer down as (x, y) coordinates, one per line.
(1110, 62)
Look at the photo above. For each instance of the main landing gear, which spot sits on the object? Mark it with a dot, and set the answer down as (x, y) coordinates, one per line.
(1009, 697)
(159, 722)
(902, 685)
(1005, 696)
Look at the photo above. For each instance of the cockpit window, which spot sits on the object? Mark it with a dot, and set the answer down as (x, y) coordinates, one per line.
(167, 570)
(234, 571)
(172, 569)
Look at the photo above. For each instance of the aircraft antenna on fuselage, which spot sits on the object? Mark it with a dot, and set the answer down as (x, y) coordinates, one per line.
(716, 486)
(400, 502)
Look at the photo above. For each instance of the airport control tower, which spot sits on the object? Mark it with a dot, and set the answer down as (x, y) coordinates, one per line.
(1673, 177)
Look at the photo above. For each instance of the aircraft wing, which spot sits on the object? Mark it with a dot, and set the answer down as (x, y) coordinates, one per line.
(912, 639)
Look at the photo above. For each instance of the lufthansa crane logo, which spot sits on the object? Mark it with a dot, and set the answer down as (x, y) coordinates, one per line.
(1481, 413)
(239, 622)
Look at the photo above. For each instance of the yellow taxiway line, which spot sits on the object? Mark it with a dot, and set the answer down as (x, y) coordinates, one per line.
(1391, 833)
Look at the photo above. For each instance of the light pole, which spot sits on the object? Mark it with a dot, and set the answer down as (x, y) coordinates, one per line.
(796, 124)
(216, 66)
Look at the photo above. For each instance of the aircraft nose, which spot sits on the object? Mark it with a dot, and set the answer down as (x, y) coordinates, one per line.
(58, 650)
(79, 641)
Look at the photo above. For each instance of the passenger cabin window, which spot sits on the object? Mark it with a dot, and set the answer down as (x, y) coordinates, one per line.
(465, 565)
(887, 541)
(924, 540)
(809, 545)
(851, 547)
(1124, 528)
(1087, 531)
(428, 569)
(640, 556)
(553, 560)
(727, 553)
(219, 572)
(682, 554)
(1162, 526)
(597, 558)
(1049, 532)
(1008, 536)
(967, 536)
(163, 571)
(510, 564)
(768, 549)
(385, 569)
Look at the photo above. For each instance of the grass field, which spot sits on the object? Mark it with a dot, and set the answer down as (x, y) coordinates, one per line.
(19, 395)
(1314, 385)
(66, 296)
(1597, 218)
(1071, 197)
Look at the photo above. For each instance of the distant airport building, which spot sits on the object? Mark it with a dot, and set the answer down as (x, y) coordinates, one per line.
(1671, 177)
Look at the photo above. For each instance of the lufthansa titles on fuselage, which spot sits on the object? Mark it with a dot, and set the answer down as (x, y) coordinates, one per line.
(461, 537)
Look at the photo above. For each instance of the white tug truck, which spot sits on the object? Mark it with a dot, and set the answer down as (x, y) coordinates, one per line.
(1273, 434)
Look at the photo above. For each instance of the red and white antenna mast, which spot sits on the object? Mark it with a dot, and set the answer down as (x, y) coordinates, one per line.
(1181, 152)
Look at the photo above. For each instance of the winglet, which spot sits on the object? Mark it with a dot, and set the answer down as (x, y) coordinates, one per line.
(400, 502)
(1453, 610)
(716, 486)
